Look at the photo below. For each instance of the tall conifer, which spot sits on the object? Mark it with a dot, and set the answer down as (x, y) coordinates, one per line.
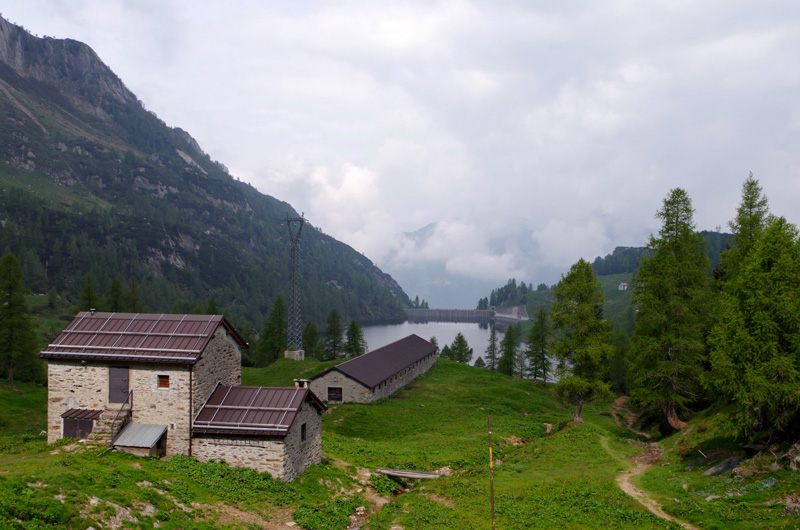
(671, 292)
(583, 346)
(18, 345)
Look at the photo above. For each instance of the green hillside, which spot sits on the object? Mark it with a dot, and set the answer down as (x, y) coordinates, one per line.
(562, 479)
(93, 183)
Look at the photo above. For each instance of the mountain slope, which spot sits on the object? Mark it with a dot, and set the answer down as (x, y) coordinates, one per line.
(91, 182)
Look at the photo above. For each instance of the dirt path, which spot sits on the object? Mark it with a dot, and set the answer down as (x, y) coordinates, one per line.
(620, 407)
(651, 455)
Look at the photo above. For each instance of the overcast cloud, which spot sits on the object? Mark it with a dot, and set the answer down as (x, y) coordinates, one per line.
(533, 133)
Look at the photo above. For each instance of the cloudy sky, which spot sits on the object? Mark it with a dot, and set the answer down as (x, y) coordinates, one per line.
(533, 133)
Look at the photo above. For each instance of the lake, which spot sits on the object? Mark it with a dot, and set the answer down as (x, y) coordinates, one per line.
(477, 335)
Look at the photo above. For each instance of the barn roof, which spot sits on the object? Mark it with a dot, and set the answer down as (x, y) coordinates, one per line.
(375, 367)
(252, 410)
(137, 337)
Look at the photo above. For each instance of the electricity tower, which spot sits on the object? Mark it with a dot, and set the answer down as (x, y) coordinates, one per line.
(295, 323)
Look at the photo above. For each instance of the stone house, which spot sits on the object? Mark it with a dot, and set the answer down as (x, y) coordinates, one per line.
(274, 430)
(377, 374)
(139, 381)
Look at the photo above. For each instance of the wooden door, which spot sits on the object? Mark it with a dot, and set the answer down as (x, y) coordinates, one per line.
(78, 428)
(118, 384)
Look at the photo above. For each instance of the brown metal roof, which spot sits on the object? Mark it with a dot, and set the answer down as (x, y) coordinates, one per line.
(377, 366)
(83, 414)
(137, 337)
(252, 410)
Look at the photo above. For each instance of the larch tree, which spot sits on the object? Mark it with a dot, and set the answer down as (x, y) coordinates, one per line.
(755, 342)
(133, 302)
(748, 225)
(274, 339)
(508, 352)
(311, 341)
(113, 300)
(538, 336)
(88, 299)
(355, 344)
(583, 345)
(460, 350)
(333, 336)
(18, 343)
(491, 350)
(671, 292)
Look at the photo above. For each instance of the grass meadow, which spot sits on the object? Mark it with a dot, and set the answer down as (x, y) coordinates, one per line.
(562, 479)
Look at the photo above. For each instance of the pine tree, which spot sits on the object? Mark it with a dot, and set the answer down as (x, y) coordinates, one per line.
(354, 344)
(538, 362)
(755, 343)
(508, 352)
(671, 291)
(18, 344)
(583, 346)
(491, 350)
(333, 336)
(479, 363)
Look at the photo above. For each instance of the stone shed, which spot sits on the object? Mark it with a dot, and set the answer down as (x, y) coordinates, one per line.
(273, 430)
(377, 374)
(112, 372)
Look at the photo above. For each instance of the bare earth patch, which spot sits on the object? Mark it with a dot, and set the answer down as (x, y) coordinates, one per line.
(231, 515)
(440, 500)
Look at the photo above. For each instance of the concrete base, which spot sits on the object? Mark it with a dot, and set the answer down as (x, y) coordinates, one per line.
(296, 355)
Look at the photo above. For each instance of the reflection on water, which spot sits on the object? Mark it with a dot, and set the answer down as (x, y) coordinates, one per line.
(477, 335)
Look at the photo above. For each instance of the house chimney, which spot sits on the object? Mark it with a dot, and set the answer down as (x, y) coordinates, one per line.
(301, 383)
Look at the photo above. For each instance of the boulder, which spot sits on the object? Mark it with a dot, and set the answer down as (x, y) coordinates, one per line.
(793, 456)
(725, 465)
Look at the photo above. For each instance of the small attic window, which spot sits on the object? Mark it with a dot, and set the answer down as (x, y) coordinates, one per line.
(163, 381)
(303, 431)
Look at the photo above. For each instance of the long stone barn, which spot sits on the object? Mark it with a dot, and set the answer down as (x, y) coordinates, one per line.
(377, 374)
(151, 384)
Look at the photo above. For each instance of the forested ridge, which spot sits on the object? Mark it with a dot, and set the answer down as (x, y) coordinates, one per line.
(93, 187)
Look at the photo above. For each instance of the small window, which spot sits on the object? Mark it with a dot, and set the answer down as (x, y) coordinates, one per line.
(163, 381)
(334, 393)
(303, 431)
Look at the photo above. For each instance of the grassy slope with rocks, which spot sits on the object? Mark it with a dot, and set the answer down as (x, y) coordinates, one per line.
(562, 479)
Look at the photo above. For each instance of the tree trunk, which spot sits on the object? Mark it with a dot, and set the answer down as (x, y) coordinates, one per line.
(577, 418)
(672, 418)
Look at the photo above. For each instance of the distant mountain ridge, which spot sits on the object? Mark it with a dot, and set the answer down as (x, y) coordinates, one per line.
(92, 182)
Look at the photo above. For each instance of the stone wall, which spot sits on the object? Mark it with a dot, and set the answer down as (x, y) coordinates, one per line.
(265, 454)
(303, 453)
(403, 378)
(164, 406)
(221, 362)
(355, 392)
(85, 386)
(284, 458)
(352, 391)
(73, 385)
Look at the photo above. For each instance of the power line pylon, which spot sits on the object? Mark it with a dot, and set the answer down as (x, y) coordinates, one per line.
(295, 323)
